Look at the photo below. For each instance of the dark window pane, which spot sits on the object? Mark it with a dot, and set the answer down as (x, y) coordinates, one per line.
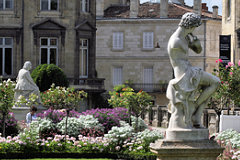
(53, 52)
(44, 41)
(43, 55)
(8, 61)
(87, 6)
(54, 5)
(9, 4)
(1, 60)
(44, 5)
(1, 4)
(1, 41)
(53, 42)
(8, 41)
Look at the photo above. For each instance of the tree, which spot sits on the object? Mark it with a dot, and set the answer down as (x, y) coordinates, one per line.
(135, 102)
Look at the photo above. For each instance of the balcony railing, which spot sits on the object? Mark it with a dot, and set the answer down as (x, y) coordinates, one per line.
(88, 84)
(148, 87)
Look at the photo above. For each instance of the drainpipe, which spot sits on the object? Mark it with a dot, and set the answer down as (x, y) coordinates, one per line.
(204, 49)
(22, 37)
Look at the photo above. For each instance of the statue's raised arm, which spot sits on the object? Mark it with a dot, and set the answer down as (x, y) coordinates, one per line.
(185, 108)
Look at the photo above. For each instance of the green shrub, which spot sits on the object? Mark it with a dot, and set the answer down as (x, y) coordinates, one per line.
(46, 74)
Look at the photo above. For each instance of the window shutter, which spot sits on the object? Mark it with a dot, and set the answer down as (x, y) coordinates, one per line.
(117, 76)
(117, 40)
(148, 40)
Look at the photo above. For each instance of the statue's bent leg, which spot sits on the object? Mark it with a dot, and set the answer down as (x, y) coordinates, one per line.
(176, 120)
(209, 84)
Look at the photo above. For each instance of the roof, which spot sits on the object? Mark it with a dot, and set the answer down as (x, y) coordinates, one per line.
(152, 10)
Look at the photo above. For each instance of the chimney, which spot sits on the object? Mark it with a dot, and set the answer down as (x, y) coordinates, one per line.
(215, 11)
(181, 1)
(164, 9)
(134, 4)
(99, 8)
(204, 6)
(197, 6)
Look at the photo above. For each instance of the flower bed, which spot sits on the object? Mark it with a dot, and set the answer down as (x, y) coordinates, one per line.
(229, 139)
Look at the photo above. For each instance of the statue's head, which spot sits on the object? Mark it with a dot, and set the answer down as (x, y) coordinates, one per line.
(190, 20)
(27, 65)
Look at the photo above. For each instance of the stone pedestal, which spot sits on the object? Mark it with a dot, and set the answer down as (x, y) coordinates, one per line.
(186, 144)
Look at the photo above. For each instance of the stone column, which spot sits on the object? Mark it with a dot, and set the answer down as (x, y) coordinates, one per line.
(197, 6)
(134, 7)
(215, 11)
(164, 9)
(99, 8)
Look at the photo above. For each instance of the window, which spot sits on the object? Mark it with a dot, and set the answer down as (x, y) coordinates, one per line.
(83, 58)
(117, 76)
(118, 40)
(148, 78)
(85, 5)
(6, 48)
(147, 40)
(228, 8)
(49, 5)
(6, 4)
(48, 51)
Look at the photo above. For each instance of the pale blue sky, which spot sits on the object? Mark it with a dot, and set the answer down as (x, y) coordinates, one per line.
(210, 3)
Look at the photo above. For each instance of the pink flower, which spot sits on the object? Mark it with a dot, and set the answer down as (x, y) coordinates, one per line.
(216, 61)
(230, 64)
(239, 63)
(226, 66)
(231, 73)
(220, 60)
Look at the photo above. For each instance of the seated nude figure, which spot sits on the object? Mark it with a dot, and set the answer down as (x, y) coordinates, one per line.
(25, 85)
(191, 89)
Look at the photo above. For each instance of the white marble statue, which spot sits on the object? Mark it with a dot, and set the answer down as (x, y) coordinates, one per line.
(25, 85)
(190, 90)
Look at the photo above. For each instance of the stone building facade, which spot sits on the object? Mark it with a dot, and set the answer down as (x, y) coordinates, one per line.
(62, 32)
(231, 26)
(132, 42)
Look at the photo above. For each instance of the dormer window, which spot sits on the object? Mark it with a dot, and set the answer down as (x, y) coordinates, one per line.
(6, 4)
(49, 5)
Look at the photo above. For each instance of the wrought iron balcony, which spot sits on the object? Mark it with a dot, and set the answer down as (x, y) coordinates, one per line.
(88, 84)
(148, 87)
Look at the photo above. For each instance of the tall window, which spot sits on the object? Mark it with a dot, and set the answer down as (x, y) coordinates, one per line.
(85, 5)
(228, 8)
(48, 51)
(148, 40)
(83, 58)
(6, 48)
(49, 5)
(6, 4)
(117, 76)
(148, 78)
(118, 40)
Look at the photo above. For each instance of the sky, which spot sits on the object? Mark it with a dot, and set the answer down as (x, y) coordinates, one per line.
(210, 3)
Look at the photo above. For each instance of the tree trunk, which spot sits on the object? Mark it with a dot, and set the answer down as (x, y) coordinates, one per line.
(4, 125)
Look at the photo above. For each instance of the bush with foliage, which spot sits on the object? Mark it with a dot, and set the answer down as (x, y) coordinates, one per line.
(230, 140)
(57, 115)
(136, 103)
(45, 75)
(109, 117)
(6, 99)
(75, 125)
(62, 98)
(11, 125)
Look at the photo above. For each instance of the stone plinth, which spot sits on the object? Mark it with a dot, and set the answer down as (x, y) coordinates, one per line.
(187, 134)
(186, 144)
